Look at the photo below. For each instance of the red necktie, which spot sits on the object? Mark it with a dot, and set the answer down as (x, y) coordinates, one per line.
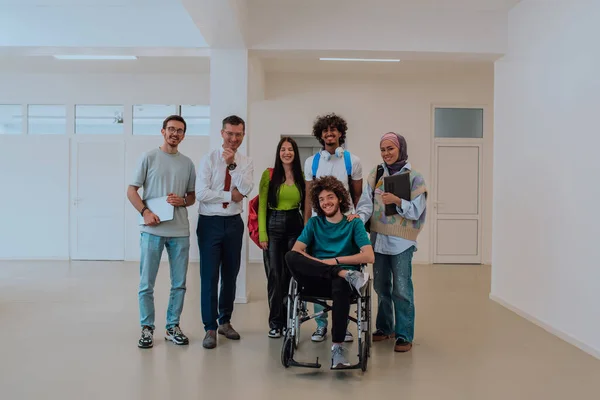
(227, 184)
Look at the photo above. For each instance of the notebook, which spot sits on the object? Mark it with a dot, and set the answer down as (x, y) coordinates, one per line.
(398, 185)
(160, 207)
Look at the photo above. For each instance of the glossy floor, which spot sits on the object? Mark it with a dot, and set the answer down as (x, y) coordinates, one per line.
(70, 331)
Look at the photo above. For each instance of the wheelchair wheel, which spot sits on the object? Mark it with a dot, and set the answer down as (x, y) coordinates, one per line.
(300, 307)
(287, 351)
(363, 349)
(368, 337)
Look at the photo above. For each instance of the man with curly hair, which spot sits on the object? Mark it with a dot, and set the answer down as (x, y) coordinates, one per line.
(337, 246)
(332, 160)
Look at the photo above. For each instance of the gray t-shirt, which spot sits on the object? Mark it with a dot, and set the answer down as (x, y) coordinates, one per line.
(159, 174)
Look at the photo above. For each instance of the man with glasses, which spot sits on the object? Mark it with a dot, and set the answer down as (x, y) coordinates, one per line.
(164, 172)
(224, 178)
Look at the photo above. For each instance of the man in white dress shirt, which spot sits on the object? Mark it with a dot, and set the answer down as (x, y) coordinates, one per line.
(224, 178)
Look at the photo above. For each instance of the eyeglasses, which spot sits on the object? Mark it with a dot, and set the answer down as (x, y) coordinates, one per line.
(237, 135)
(172, 129)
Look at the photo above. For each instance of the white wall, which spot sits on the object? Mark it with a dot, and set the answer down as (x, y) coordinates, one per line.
(35, 169)
(546, 214)
(383, 25)
(373, 105)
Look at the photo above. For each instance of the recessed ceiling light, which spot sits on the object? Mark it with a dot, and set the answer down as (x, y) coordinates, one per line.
(92, 57)
(361, 59)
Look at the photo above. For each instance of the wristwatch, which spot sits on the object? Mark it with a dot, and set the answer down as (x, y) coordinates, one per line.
(231, 166)
(184, 201)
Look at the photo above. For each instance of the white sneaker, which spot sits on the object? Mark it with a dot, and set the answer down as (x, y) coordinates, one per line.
(357, 279)
(320, 334)
(338, 357)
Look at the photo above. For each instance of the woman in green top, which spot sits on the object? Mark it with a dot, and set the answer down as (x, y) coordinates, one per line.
(280, 202)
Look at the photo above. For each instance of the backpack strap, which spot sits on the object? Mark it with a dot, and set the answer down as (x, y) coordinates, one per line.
(378, 176)
(315, 164)
(348, 162)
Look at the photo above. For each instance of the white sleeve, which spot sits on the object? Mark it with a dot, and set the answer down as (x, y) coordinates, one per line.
(204, 194)
(243, 177)
(357, 173)
(308, 169)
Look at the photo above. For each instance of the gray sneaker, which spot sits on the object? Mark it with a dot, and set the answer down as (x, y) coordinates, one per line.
(210, 340)
(357, 279)
(338, 357)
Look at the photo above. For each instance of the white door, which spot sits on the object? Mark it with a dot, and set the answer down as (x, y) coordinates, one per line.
(98, 200)
(457, 203)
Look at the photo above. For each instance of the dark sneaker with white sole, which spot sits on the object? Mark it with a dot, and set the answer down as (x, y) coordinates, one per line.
(146, 340)
(348, 338)
(320, 334)
(275, 333)
(175, 335)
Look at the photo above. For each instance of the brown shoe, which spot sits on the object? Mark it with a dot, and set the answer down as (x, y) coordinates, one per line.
(227, 330)
(210, 340)
(401, 346)
(378, 336)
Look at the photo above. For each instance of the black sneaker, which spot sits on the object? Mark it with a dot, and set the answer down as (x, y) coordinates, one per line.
(175, 335)
(146, 341)
(275, 333)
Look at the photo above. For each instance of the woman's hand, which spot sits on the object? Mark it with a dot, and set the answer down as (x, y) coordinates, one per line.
(264, 245)
(352, 216)
(389, 198)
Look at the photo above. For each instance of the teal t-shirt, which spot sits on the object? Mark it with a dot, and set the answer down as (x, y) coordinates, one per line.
(328, 240)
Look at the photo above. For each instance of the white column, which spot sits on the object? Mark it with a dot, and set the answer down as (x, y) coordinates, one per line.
(229, 96)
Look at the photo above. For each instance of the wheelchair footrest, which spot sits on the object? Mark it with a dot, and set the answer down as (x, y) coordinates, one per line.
(305, 365)
(353, 366)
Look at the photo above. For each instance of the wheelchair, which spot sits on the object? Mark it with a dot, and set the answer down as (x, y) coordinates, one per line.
(297, 314)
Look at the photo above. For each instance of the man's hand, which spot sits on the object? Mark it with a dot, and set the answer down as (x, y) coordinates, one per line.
(264, 245)
(329, 261)
(228, 155)
(150, 218)
(175, 200)
(236, 196)
(389, 198)
(350, 217)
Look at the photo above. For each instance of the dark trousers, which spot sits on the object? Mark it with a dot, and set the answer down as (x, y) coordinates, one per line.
(283, 228)
(319, 279)
(220, 244)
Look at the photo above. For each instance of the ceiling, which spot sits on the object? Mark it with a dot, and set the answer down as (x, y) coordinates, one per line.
(70, 3)
(143, 65)
(439, 4)
(169, 35)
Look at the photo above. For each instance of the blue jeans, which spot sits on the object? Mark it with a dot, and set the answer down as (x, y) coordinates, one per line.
(393, 283)
(220, 244)
(178, 249)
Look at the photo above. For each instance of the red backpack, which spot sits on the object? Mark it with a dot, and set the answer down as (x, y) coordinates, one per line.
(253, 216)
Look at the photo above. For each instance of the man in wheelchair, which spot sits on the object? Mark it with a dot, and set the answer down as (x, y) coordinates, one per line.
(338, 248)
